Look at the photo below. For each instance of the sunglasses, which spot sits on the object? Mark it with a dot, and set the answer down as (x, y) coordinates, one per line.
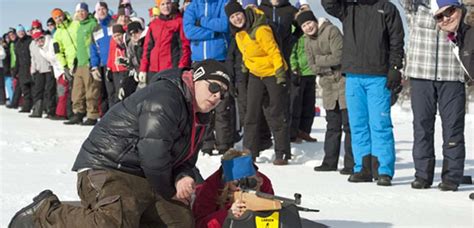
(215, 87)
(448, 12)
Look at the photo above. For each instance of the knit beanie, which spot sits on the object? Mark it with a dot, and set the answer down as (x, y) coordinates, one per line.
(233, 7)
(211, 69)
(134, 27)
(20, 28)
(50, 21)
(100, 4)
(82, 6)
(117, 28)
(305, 16)
(36, 24)
(56, 13)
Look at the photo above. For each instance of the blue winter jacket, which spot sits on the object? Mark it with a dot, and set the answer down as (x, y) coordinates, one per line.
(99, 48)
(210, 39)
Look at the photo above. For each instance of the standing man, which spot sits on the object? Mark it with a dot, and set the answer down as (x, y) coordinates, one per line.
(15, 97)
(207, 28)
(371, 59)
(86, 87)
(437, 80)
(23, 65)
(135, 168)
(99, 51)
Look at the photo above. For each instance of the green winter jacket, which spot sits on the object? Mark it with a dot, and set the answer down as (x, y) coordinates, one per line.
(84, 36)
(65, 45)
(298, 59)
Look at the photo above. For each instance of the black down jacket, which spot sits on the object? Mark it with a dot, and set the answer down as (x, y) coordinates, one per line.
(149, 134)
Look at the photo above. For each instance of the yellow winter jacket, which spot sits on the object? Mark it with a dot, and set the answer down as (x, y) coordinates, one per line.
(260, 52)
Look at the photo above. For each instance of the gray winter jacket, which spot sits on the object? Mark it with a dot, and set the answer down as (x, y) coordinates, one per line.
(324, 52)
(38, 63)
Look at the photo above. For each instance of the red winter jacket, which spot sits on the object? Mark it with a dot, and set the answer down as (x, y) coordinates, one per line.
(205, 208)
(162, 50)
(115, 52)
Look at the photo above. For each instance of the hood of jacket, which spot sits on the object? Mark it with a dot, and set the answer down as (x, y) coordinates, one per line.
(281, 4)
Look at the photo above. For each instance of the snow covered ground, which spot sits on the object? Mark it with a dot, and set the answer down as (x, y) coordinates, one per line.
(37, 154)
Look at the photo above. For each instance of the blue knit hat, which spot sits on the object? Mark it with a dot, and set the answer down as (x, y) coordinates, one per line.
(20, 28)
(443, 3)
(83, 6)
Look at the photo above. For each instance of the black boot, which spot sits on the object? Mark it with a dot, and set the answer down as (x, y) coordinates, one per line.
(346, 171)
(25, 217)
(37, 109)
(384, 180)
(365, 174)
(420, 183)
(324, 168)
(447, 186)
(76, 119)
(375, 167)
(89, 122)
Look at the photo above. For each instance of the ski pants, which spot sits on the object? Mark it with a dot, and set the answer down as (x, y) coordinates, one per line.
(62, 92)
(26, 84)
(450, 98)
(45, 89)
(337, 121)
(111, 198)
(303, 106)
(85, 93)
(368, 106)
(117, 78)
(264, 93)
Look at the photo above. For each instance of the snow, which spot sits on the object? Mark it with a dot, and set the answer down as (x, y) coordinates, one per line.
(37, 154)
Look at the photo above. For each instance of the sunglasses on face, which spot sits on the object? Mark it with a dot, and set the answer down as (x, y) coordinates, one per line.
(448, 12)
(215, 87)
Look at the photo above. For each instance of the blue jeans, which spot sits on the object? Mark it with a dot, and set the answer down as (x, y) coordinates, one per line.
(368, 105)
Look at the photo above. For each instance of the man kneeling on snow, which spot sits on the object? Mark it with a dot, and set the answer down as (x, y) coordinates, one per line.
(135, 168)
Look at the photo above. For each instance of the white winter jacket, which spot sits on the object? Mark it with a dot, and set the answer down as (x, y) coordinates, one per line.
(38, 62)
(47, 51)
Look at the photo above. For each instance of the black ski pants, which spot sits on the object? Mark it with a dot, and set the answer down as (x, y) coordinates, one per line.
(45, 89)
(303, 106)
(337, 122)
(264, 92)
(450, 98)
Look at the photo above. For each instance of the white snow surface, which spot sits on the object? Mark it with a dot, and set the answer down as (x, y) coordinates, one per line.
(37, 154)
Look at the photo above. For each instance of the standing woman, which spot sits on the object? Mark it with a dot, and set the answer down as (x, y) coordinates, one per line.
(165, 43)
(267, 79)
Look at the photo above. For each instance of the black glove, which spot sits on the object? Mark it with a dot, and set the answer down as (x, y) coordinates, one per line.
(197, 23)
(296, 78)
(394, 79)
(67, 74)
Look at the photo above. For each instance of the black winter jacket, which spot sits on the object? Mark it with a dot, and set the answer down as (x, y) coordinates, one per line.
(373, 35)
(281, 18)
(6, 61)
(148, 134)
(22, 53)
(465, 41)
(234, 62)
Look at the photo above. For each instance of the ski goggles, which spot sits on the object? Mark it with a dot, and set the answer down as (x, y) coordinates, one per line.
(448, 12)
(215, 87)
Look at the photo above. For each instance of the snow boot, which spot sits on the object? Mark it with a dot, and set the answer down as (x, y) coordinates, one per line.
(76, 119)
(89, 122)
(37, 109)
(280, 161)
(384, 180)
(306, 137)
(346, 171)
(365, 174)
(447, 186)
(420, 183)
(375, 167)
(25, 217)
(324, 168)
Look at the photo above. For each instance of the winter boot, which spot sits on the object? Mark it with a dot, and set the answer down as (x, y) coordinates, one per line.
(37, 109)
(25, 217)
(306, 137)
(375, 167)
(89, 122)
(420, 183)
(280, 161)
(364, 175)
(346, 171)
(447, 186)
(384, 180)
(76, 119)
(324, 168)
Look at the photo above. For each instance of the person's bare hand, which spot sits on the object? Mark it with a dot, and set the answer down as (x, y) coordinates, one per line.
(238, 208)
(185, 188)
